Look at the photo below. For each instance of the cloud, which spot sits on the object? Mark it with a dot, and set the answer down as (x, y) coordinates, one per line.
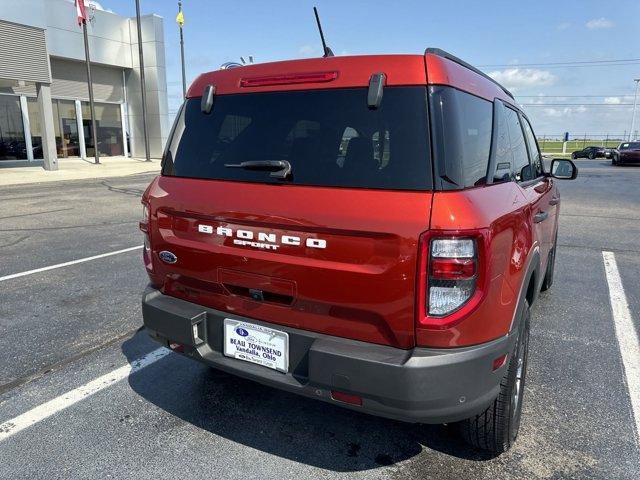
(552, 112)
(97, 6)
(612, 100)
(518, 78)
(563, 112)
(563, 26)
(308, 50)
(598, 23)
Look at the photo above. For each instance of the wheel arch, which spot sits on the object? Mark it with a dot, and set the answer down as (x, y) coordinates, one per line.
(529, 288)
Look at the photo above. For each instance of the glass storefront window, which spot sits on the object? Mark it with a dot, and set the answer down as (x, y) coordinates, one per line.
(66, 128)
(12, 144)
(108, 126)
(35, 126)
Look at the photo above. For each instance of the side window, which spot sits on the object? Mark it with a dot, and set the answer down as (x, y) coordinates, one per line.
(536, 157)
(518, 148)
(347, 135)
(381, 151)
(462, 130)
(503, 153)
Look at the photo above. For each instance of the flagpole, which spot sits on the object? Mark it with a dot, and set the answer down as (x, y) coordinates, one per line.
(90, 82)
(142, 85)
(184, 81)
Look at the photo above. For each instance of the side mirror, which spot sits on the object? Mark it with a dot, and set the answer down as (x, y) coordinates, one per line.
(563, 169)
(525, 174)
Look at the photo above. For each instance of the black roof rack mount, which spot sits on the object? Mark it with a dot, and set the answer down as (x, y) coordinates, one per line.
(441, 53)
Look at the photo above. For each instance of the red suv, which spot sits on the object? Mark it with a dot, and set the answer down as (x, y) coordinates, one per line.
(370, 231)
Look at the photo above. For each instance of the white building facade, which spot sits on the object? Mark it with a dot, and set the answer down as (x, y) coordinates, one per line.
(44, 97)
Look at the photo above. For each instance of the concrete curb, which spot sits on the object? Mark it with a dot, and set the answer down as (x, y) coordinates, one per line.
(78, 169)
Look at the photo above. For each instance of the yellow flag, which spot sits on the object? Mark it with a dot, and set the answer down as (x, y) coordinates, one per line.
(180, 19)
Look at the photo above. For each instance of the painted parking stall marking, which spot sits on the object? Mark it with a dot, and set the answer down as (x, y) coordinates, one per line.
(66, 264)
(626, 335)
(44, 411)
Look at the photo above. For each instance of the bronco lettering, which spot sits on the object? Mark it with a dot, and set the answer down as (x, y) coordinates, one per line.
(266, 241)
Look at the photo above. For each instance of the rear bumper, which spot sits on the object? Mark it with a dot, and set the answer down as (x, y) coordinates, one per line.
(420, 385)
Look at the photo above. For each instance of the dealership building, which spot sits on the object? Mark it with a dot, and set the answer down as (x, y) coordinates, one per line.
(44, 97)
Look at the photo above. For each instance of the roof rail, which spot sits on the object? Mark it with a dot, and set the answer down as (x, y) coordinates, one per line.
(441, 53)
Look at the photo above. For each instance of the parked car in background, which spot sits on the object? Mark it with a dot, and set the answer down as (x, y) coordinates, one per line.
(627, 152)
(590, 152)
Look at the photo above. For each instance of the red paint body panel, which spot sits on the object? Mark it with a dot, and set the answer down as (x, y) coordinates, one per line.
(500, 212)
(352, 72)
(362, 286)
(442, 71)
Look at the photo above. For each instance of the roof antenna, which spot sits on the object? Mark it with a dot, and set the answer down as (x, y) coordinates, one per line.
(327, 50)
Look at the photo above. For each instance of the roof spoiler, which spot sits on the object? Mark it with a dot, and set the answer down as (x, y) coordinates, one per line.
(441, 53)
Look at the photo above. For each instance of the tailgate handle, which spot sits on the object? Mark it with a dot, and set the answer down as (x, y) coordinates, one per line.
(259, 295)
(259, 288)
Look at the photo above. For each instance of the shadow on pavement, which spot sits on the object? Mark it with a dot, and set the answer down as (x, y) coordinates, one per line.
(283, 424)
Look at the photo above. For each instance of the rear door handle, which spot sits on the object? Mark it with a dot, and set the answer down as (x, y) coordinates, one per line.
(554, 201)
(540, 217)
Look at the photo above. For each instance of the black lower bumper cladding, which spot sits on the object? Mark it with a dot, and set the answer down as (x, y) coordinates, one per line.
(423, 385)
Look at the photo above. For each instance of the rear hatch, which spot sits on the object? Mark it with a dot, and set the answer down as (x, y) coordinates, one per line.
(330, 248)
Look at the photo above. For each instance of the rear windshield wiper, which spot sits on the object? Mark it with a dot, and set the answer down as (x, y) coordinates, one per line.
(278, 168)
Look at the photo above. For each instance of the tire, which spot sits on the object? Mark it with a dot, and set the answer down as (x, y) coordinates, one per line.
(495, 430)
(592, 156)
(551, 263)
(613, 161)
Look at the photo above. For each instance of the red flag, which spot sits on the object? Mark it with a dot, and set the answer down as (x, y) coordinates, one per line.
(82, 15)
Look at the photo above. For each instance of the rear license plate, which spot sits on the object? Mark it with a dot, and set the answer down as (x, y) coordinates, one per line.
(256, 344)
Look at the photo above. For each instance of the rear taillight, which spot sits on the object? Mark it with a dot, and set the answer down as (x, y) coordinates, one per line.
(144, 228)
(144, 220)
(450, 278)
(451, 275)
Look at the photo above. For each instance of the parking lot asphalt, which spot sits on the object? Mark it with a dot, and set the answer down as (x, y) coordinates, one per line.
(68, 333)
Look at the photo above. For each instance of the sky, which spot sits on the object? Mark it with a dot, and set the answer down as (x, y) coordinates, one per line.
(520, 43)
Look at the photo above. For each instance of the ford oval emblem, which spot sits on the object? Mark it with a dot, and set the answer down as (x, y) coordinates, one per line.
(242, 332)
(167, 257)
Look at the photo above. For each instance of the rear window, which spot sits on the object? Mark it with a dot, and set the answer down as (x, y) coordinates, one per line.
(330, 138)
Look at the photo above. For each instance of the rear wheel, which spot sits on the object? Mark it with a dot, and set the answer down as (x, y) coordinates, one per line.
(592, 155)
(495, 430)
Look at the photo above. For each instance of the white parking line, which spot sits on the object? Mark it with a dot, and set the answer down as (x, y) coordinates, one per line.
(41, 412)
(66, 264)
(626, 334)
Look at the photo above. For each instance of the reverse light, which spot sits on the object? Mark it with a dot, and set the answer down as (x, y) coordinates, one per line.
(453, 248)
(288, 79)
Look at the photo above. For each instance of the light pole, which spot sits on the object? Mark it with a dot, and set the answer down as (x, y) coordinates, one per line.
(635, 103)
(142, 85)
(180, 22)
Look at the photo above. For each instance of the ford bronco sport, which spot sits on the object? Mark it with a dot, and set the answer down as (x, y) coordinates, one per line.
(369, 231)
